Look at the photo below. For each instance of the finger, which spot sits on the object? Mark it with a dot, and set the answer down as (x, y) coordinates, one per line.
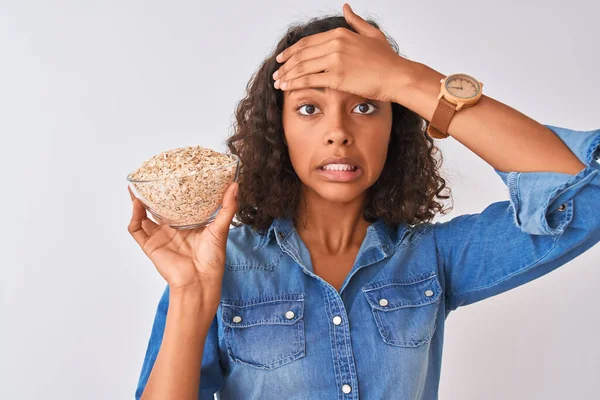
(307, 54)
(135, 227)
(147, 223)
(307, 41)
(360, 25)
(324, 79)
(131, 193)
(220, 226)
(313, 66)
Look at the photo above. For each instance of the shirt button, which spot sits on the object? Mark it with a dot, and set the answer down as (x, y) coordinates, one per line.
(237, 319)
(337, 320)
(383, 302)
(281, 235)
(289, 314)
(346, 389)
(429, 293)
(562, 207)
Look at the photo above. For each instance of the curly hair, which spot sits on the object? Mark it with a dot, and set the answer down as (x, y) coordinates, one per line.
(269, 188)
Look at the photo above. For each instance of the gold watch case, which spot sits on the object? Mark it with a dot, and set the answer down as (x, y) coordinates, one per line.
(461, 89)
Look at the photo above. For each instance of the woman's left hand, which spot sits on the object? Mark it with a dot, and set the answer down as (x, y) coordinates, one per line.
(362, 63)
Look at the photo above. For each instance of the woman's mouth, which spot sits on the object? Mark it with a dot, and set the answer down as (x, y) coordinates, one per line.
(340, 174)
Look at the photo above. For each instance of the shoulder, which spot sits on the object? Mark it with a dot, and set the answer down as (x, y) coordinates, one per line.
(241, 252)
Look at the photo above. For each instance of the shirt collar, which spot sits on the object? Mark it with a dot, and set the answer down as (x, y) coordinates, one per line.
(379, 234)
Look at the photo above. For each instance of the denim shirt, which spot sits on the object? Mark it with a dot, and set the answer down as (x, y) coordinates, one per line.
(282, 332)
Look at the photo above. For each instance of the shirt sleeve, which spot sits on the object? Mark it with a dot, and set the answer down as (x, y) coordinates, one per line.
(211, 373)
(549, 219)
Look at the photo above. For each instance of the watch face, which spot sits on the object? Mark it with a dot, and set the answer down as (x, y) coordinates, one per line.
(462, 86)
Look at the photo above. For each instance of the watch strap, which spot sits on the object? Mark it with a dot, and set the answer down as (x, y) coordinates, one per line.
(438, 127)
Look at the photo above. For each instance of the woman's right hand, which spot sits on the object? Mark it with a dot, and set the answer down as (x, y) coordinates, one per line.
(188, 258)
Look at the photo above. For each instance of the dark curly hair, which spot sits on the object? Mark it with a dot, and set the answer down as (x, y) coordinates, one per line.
(268, 185)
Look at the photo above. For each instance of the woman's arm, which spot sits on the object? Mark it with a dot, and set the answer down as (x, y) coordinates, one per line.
(176, 372)
(502, 136)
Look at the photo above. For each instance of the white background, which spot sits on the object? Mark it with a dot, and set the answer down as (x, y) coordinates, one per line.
(88, 90)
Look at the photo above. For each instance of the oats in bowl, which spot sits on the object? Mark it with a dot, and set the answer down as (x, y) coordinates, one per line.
(184, 187)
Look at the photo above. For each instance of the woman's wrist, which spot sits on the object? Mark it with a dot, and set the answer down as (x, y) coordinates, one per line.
(195, 299)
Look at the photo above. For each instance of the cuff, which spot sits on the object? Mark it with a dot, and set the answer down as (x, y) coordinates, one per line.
(542, 202)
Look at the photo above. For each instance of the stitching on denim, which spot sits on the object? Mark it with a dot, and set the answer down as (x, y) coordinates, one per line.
(361, 266)
(413, 343)
(583, 179)
(260, 322)
(429, 300)
(298, 258)
(351, 365)
(377, 235)
(348, 350)
(403, 281)
(299, 343)
(227, 309)
(273, 364)
(415, 238)
(301, 337)
(566, 218)
(385, 335)
(293, 256)
(262, 241)
(332, 333)
(254, 301)
(269, 266)
(513, 191)
(553, 196)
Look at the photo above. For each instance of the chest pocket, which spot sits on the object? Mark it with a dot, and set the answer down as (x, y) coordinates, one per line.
(405, 310)
(265, 332)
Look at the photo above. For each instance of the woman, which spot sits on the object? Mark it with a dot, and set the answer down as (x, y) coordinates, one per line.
(337, 284)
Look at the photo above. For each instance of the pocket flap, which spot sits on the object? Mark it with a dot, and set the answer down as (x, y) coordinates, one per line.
(395, 293)
(284, 309)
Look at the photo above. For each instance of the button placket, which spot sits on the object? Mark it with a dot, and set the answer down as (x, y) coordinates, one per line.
(344, 358)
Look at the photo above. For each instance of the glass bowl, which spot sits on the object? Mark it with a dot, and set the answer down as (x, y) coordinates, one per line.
(188, 201)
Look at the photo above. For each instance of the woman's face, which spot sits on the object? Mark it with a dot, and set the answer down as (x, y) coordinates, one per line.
(322, 122)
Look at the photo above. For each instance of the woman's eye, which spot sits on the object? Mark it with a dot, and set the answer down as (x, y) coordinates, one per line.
(365, 109)
(310, 109)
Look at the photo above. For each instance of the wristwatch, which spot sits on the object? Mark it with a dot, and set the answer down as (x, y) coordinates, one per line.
(458, 91)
